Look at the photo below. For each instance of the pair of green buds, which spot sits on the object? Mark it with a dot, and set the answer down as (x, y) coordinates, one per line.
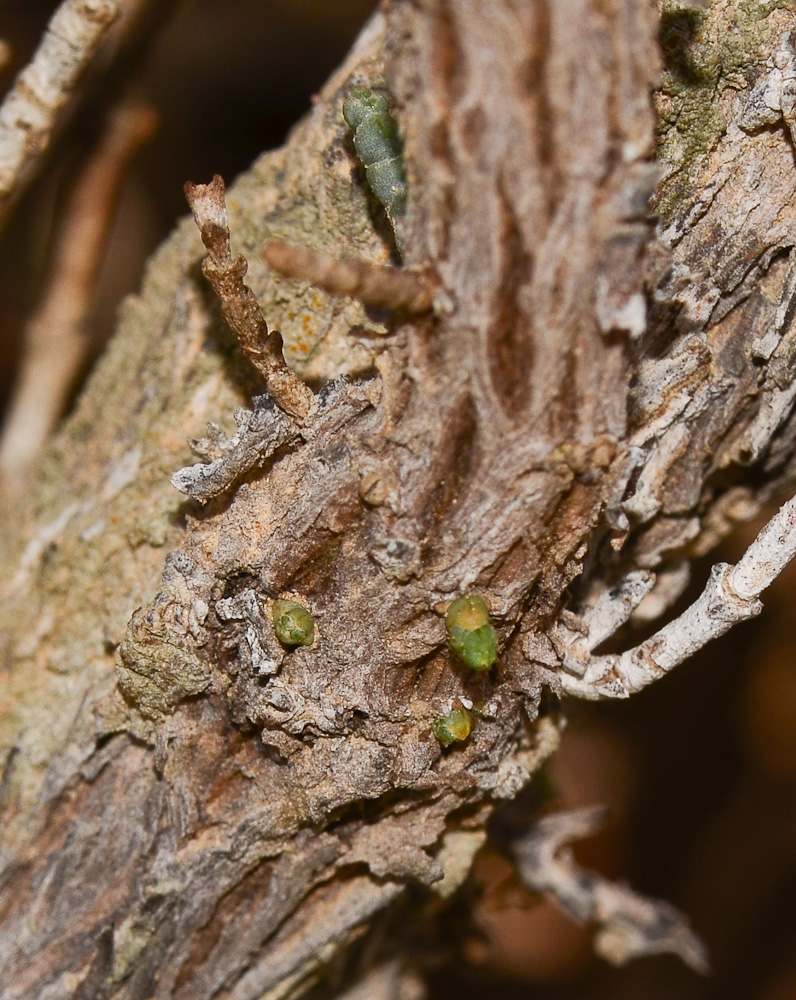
(472, 637)
(471, 634)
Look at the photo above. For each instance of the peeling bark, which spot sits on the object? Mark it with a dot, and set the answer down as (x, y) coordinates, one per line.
(194, 811)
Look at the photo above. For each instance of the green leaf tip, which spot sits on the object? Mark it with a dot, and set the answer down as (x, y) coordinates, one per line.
(471, 634)
(293, 624)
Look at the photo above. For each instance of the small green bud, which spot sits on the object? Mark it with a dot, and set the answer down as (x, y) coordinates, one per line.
(471, 634)
(453, 727)
(378, 146)
(293, 624)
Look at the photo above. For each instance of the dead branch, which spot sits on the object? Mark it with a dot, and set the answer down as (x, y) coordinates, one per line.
(30, 110)
(731, 596)
(56, 339)
(373, 285)
(260, 432)
(629, 925)
(239, 305)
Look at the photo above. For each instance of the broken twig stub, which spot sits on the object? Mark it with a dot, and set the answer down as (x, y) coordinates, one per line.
(239, 305)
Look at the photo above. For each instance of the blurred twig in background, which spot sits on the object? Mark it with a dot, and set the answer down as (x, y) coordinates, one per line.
(30, 111)
(56, 340)
(629, 925)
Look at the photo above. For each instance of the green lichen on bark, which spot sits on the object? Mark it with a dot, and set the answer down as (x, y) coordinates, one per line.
(711, 50)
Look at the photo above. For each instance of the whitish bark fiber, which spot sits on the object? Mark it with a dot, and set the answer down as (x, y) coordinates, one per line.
(193, 810)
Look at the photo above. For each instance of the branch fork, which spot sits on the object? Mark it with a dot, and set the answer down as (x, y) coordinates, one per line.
(730, 596)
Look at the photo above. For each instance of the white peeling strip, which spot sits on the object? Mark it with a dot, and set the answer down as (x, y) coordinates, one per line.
(36, 546)
(122, 473)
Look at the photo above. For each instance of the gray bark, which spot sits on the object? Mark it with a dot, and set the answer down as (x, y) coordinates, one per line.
(191, 810)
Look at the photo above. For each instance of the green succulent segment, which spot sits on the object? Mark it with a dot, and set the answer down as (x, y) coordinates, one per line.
(293, 624)
(453, 727)
(471, 634)
(379, 147)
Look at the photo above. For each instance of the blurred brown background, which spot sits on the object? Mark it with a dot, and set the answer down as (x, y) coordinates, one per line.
(699, 771)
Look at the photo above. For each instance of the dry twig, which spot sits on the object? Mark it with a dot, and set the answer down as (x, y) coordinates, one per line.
(373, 285)
(630, 925)
(56, 340)
(731, 596)
(261, 431)
(30, 110)
(239, 304)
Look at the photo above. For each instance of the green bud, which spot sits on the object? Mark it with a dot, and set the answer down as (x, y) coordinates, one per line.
(453, 727)
(471, 634)
(378, 146)
(293, 624)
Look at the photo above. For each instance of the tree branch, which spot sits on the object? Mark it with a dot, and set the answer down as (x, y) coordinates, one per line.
(30, 110)
(629, 925)
(536, 442)
(731, 596)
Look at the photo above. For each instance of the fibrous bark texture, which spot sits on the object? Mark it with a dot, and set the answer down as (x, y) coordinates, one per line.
(194, 810)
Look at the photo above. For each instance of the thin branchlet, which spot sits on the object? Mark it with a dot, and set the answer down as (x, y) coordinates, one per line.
(239, 305)
(32, 108)
(56, 336)
(371, 284)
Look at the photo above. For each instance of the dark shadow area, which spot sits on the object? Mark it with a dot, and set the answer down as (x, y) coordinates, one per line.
(677, 33)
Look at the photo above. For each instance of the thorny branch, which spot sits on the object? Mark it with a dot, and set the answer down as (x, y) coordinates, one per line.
(629, 925)
(30, 110)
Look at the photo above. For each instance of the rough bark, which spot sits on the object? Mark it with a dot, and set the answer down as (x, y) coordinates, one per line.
(190, 809)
